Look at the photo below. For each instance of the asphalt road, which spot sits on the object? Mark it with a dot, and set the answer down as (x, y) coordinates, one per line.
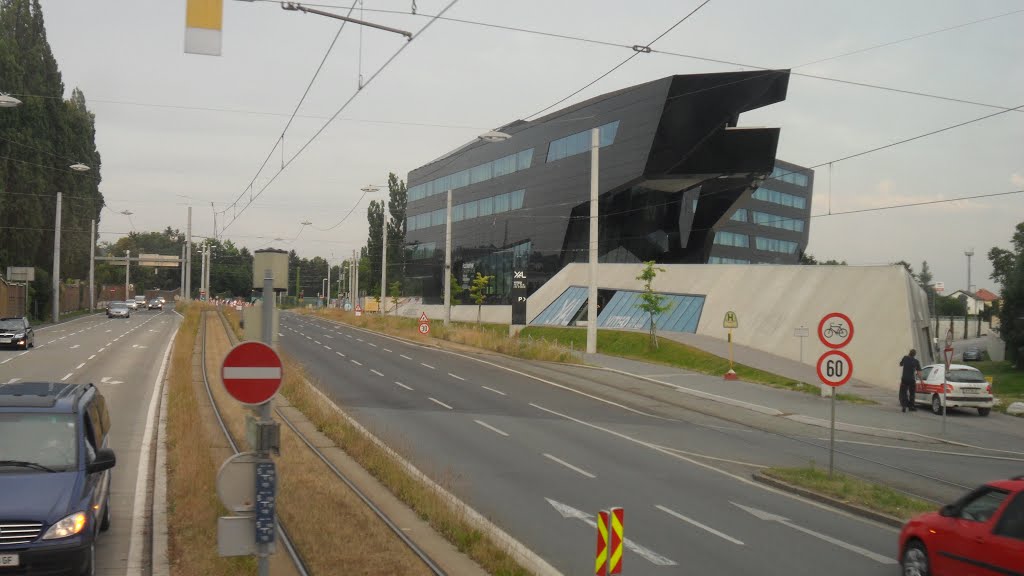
(122, 357)
(540, 460)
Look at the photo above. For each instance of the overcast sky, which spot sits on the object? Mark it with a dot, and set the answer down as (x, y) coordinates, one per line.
(457, 80)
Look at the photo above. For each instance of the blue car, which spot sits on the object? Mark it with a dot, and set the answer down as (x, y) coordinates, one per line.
(54, 477)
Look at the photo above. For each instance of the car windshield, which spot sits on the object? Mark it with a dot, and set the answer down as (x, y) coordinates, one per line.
(118, 305)
(965, 376)
(10, 325)
(44, 439)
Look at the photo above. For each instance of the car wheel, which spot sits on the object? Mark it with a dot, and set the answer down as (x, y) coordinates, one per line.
(105, 522)
(915, 559)
(90, 567)
(936, 405)
(984, 411)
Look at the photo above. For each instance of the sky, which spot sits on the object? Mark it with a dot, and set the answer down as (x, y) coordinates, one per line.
(178, 130)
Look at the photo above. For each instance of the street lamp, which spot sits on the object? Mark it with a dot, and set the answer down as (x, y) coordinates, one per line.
(8, 101)
(79, 167)
(323, 286)
(127, 212)
(55, 279)
(494, 136)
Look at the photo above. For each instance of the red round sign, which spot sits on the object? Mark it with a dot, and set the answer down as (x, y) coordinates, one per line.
(835, 330)
(251, 373)
(838, 368)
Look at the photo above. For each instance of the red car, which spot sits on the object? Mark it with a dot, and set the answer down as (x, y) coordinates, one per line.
(981, 534)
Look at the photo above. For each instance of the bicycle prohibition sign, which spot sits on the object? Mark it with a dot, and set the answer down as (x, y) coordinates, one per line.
(835, 330)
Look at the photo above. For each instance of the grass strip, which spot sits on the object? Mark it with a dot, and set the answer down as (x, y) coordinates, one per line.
(192, 503)
(853, 491)
(636, 345)
(1007, 382)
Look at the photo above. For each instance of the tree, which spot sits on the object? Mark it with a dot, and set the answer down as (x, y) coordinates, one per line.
(905, 264)
(950, 306)
(808, 259)
(925, 277)
(395, 292)
(374, 246)
(650, 302)
(1011, 315)
(456, 290)
(398, 199)
(478, 292)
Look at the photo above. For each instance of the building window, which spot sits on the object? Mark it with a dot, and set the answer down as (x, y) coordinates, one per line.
(775, 221)
(458, 212)
(500, 167)
(421, 251)
(781, 198)
(517, 199)
(468, 210)
(501, 203)
(775, 245)
(579, 142)
(790, 176)
(732, 239)
(739, 215)
(722, 260)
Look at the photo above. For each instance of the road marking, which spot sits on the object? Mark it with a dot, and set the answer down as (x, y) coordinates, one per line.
(6, 361)
(349, 335)
(768, 516)
(428, 366)
(340, 354)
(403, 385)
(79, 367)
(372, 344)
(13, 380)
(62, 337)
(91, 357)
(375, 372)
(569, 466)
(316, 342)
(386, 350)
(356, 363)
(457, 377)
(491, 428)
(438, 402)
(102, 349)
(326, 346)
(66, 376)
(404, 356)
(279, 334)
(75, 346)
(307, 337)
(360, 340)
(51, 341)
(109, 380)
(493, 390)
(699, 525)
(651, 556)
(328, 336)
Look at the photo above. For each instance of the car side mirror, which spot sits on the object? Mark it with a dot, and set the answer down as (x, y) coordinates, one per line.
(947, 511)
(105, 460)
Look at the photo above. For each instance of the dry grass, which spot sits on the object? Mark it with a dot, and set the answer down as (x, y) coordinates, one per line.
(428, 504)
(491, 337)
(853, 490)
(193, 506)
(319, 510)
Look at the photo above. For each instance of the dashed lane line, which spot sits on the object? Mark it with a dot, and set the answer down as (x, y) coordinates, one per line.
(494, 390)
(340, 354)
(566, 464)
(375, 372)
(79, 367)
(66, 376)
(357, 363)
(456, 376)
(404, 356)
(439, 403)
(403, 385)
(491, 428)
(428, 366)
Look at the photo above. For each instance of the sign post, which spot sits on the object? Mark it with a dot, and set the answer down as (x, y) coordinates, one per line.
(948, 353)
(730, 322)
(518, 295)
(424, 324)
(801, 333)
(834, 367)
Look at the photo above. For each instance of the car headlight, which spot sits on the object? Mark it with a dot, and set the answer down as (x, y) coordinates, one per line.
(19, 336)
(69, 526)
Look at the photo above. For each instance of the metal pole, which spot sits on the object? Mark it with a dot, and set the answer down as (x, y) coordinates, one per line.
(188, 258)
(448, 261)
(92, 265)
(945, 375)
(55, 281)
(328, 291)
(127, 272)
(209, 270)
(595, 143)
(267, 336)
(202, 270)
(832, 437)
(181, 289)
(384, 267)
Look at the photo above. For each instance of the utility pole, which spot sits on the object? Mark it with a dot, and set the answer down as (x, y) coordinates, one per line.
(969, 253)
(181, 289)
(188, 258)
(328, 286)
(595, 144)
(127, 272)
(55, 281)
(92, 265)
(448, 260)
(202, 270)
(384, 266)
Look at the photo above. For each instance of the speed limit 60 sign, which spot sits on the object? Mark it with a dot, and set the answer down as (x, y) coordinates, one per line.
(835, 368)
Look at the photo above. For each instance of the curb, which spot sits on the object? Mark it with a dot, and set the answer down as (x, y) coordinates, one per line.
(834, 502)
(159, 553)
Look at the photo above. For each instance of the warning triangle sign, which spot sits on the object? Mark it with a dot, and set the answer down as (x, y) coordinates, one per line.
(359, 308)
(423, 317)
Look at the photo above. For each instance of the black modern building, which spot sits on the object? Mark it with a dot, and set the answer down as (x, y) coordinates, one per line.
(675, 168)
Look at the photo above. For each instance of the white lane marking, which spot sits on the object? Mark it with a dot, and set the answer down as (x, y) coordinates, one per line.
(428, 366)
(651, 556)
(403, 385)
(79, 367)
(349, 335)
(375, 372)
(109, 380)
(13, 380)
(139, 512)
(404, 356)
(372, 344)
(75, 346)
(356, 363)
(51, 341)
(6, 361)
(307, 337)
(569, 466)
(360, 340)
(493, 390)
(340, 354)
(386, 350)
(102, 349)
(491, 428)
(66, 376)
(251, 373)
(439, 403)
(704, 527)
(769, 517)
(62, 337)
(457, 377)
(317, 342)
(327, 347)
(26, 352)
(328, 336)
(91, 357)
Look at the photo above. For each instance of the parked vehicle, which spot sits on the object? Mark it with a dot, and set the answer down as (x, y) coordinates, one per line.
(17, 332)
(54, 477)
(972, 353)
(980, 534)
(966, 387)
(119, 310)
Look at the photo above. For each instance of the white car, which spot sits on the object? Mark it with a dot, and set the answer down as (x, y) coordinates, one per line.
(966, 387)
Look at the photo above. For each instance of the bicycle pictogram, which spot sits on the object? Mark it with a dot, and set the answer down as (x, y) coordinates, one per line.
(836, 330)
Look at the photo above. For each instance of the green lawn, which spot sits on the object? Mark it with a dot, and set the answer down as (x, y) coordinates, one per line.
(636, 345)
(1007, 382)
(853, 491)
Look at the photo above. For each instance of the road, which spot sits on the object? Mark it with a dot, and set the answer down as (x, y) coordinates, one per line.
(540, 459)
(123, 358)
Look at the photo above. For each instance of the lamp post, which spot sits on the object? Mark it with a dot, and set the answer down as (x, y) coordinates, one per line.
(595, 146)
(55, 280)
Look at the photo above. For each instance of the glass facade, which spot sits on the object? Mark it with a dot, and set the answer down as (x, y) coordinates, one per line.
(781, 222)
(623, 311)
(486, 171)
(790, 176)
(421, 251)
(724, 260)
(467, 210)
(781, 198)
(775, 245)
(738, 216)
(579, 142)
(732, 239)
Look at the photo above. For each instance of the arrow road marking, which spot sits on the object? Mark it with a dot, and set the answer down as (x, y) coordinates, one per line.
(107, 380)
(651, 556)
(698, 525)
(769, 517)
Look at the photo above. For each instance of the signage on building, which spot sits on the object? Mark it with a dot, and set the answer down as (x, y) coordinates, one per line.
(518, 295)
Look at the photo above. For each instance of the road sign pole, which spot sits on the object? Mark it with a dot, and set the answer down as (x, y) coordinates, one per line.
(832, 437)
(730, 349)
(263, 553)
(92, 265)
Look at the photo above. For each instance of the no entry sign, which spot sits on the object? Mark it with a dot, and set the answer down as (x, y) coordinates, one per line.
(251, 373)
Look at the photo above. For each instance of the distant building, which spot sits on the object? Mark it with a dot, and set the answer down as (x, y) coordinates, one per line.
(975, 302)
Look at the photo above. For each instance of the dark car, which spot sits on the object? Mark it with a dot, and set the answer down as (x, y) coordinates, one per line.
(17, 332)
(972, 353)
(155, 304)
(54, 477)
(981, 534)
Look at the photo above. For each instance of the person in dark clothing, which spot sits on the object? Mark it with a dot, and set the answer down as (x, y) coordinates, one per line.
(908, 382)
